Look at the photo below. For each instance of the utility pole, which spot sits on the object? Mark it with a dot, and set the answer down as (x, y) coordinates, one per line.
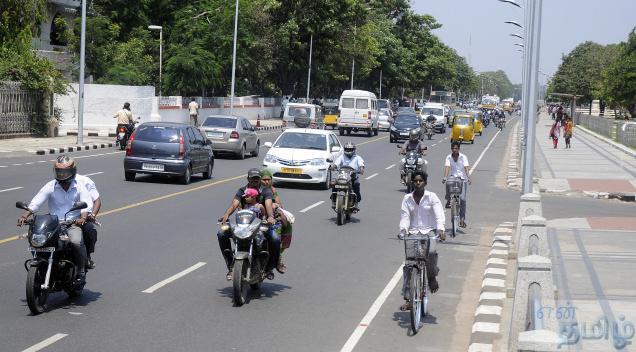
(80, 107)
(380, 84)
(311, 47)
(234, 58)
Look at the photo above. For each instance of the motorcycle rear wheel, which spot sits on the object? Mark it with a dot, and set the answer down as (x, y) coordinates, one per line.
(36, 296)
(239, 282)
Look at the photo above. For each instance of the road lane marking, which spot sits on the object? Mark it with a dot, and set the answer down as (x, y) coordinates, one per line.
(29, 163)
(16, 164)
(389, 167)
(312, 206)
(43, 161)
(10, 189)
(172, 278)
(375, 308)
(3, 166)
(482, 153)
(373, 140)
(94, 173)
(51, 340)
(372, 176)
(9, 239)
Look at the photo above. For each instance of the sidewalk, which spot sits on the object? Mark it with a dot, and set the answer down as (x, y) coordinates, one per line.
(593, 166)
(63, 144)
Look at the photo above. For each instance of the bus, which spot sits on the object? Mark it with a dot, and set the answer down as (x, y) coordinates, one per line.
(444, 97)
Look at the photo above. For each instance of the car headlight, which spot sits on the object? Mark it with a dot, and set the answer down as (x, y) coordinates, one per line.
(318, 162)
(38, 239)
(403, 160)
(270, 158)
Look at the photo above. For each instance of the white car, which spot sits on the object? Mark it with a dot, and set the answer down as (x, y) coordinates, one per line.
(303, 156)
(384, 115)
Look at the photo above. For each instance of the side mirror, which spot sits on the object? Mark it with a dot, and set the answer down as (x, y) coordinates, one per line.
(267, 145)
(329, 160)
(79, 205)
(208, 142)
(336, 149)
(21, 205)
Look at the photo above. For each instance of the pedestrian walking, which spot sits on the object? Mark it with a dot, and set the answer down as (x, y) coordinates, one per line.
(194, 112)
(554, 134)
(283, 105)
(569, 127)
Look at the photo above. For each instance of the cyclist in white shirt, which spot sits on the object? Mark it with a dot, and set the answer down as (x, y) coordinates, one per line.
(457, 165)
(422, 213)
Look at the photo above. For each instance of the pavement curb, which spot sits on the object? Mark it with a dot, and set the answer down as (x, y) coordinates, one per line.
(487, 319)
(268, 128)
(75, 148)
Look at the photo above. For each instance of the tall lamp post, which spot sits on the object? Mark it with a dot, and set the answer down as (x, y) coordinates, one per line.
(236, 10)
(160, 29)
(80, 106)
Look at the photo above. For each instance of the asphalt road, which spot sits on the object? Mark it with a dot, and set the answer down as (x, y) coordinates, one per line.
(155, 228)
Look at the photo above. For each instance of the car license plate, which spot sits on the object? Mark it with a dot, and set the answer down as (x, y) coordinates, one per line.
(152, 167)
(215, 134)
(404, 134)
(292, 170)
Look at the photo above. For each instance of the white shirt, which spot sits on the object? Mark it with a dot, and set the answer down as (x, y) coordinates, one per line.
(457, 167)
(356, 162)
(61, 201)
(89, 185)
(423, 217)
(193, 107)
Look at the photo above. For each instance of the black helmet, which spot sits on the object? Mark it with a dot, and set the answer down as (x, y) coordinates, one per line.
(349, 149)
(413, 135)
(127, 105)
(65, 169)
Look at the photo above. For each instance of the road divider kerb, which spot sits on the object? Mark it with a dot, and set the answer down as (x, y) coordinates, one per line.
(172, 278)
(41, 345)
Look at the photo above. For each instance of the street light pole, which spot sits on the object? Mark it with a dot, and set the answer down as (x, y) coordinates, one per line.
(353, 59)
(380, 84)
(160, 29)
(80, 106)
(234, 58)
(311, 47)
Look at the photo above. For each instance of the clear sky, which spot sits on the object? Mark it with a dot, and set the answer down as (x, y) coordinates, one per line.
(476, 29)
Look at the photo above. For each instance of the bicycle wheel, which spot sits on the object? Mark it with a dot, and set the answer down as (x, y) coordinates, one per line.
(454, 216)
(416, 298)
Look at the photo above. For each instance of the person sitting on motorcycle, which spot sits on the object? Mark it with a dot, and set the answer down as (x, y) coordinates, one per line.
(351, 159)
(89, 230)
(125, 117)
(413, 143)
(286, 224)
(61, 194)
(265, 198)
(250, 200)
(422, 212)
(431, 118)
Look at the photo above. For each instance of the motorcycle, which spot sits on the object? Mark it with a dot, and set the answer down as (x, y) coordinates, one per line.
(343, 198)
(486, 120)
(251, 254)
(429, 130)
(52, 267)
(411, 162)
(124, 131)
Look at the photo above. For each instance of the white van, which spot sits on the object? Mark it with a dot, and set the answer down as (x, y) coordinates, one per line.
(439, 111)
(311, 115)
(358, 111)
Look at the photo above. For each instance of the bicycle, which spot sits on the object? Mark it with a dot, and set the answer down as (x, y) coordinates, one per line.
(455, 188)
(416, 249)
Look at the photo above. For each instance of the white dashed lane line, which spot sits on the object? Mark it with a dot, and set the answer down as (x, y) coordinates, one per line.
(10, 189)
(41, 345)
(172, 278)
(94, 173)
(372, 176)
(389, 167)
(312, 206)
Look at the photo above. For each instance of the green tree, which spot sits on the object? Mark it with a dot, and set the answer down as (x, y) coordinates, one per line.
(618, 85)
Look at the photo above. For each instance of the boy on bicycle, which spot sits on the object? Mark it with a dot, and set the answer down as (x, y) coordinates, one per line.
(422, 213)
(457, 165)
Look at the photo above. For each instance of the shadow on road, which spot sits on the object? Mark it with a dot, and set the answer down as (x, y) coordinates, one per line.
(60, 300)
(268, 290)
(403, 320)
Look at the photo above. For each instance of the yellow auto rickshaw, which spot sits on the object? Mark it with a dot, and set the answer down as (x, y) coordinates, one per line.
(478, 118)
(330, 113)
(462, 130)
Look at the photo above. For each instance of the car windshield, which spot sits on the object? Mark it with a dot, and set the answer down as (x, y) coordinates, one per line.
(404, 120)
(157, 134)
(405, 109)
(461, 120)
(223, 122)
(433, 111)
(298, 111)
(382, 104)
(299, 140)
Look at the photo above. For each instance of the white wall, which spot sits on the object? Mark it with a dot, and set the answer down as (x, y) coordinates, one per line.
(183, 115)
(101, 102)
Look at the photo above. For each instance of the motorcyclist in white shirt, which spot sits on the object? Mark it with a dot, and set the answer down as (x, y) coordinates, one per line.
(351, 159)
(422, 212)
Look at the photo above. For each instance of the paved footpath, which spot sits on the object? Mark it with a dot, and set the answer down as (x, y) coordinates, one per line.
(592, 241)
(591, 167)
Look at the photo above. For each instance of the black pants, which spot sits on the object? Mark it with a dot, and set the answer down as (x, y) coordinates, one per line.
(356, 190)
(89, 232)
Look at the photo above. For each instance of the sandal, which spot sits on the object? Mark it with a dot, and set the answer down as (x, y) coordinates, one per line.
(462, 223)
(406, 306)
(281, 268)
(228, 276)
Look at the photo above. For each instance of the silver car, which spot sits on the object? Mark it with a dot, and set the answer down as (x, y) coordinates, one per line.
(231, 134)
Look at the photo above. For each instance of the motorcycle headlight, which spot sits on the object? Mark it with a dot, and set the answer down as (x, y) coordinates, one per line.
(318, 162)
(420, 161)
(410, 161)
(39, 239)
(243, 232)
(417, 130)
(403, 161)
(270, 159)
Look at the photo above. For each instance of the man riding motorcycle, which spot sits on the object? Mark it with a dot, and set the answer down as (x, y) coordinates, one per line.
(265, 198)
(61, 194)
(412, 144)
(431, 119)
(125, 118)
(351, 159)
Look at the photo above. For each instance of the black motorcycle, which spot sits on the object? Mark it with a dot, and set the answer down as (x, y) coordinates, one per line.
(124, 131)
(486, 121)
(251, 254)
(411, 162)
(343, 198)
(52, 267)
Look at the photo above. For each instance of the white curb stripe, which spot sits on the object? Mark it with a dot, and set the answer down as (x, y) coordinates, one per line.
(492, 328)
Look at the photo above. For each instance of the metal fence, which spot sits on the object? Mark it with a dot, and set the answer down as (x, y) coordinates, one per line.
(17, 108)
(621, 131)
(626, 134)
